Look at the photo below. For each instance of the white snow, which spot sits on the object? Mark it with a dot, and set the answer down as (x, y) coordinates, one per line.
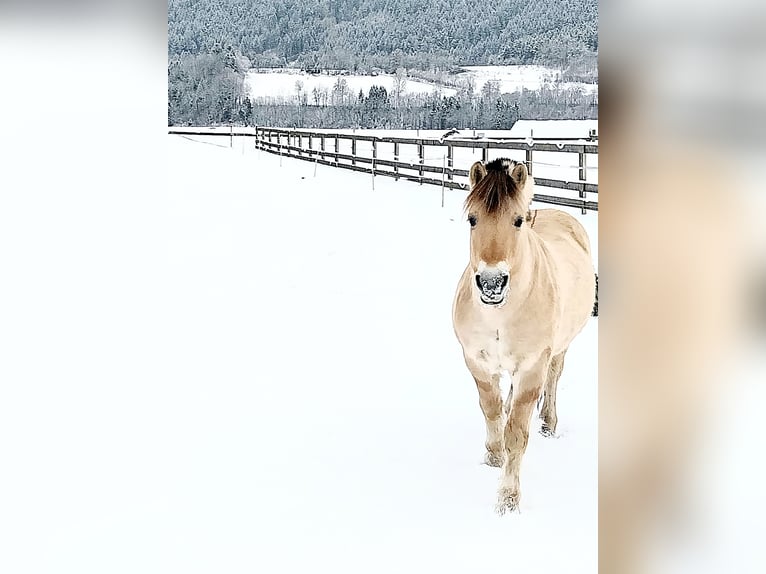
(542, 129)
(214, 364)
(550, 165)
(282, 84)
(514, 78)
(324, 416)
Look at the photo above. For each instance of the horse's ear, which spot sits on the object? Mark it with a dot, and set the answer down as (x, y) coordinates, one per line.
(519, 175)
(477, 173)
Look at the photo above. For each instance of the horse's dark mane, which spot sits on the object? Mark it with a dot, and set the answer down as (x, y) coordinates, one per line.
(496, 191)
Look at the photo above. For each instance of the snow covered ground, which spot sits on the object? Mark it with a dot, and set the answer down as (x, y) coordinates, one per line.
(324, 417)
(541, 129)
(514, 78)
(217, 364)
(282, 84)
(552, 165)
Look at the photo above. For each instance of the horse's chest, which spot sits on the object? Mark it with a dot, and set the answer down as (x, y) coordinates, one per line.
(494, 350)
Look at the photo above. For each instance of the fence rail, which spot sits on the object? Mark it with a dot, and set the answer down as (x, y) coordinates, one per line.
(299, 144)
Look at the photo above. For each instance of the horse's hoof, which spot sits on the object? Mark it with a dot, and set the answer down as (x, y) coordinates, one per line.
(493, 459)
(507, 501)
(546, 431)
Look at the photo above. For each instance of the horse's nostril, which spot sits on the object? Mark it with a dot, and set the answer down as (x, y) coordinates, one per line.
(492, 281)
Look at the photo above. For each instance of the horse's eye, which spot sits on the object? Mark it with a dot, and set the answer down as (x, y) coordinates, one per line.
(519, 221)
(472, 220)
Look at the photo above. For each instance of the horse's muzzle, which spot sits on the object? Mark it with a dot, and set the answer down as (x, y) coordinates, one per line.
(492, 285)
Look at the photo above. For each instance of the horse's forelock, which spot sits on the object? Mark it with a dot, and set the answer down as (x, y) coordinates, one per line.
(503, 165)
(496, 192)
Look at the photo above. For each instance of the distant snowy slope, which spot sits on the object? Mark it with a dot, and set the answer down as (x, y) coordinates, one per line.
(282, 84)
(514, 78)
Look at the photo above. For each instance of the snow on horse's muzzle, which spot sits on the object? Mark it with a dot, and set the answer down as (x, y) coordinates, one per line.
(492, 284)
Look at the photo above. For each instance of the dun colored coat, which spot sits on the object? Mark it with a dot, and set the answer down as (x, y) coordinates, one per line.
(527, 291)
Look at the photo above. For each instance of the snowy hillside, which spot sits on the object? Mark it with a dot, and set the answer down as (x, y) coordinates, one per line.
(329, 419)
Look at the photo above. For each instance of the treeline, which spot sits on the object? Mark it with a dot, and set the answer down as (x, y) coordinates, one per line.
(361, 35)
(379, 109)
(208, 89)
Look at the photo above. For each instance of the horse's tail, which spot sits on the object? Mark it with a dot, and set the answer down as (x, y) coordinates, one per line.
(595, 303)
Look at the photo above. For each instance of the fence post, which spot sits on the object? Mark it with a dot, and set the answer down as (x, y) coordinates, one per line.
(336, 149)
(484, 154)
(529, 161)
(450, 163)
(353, 151)
(321, 145)
(311, 145)
(300, 144)
(421, 153)
(231, 135)
(396, 159)
(581, 156)
(444, 164)
(374, 157)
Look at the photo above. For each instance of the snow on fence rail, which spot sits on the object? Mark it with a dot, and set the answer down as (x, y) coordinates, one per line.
(416, 158)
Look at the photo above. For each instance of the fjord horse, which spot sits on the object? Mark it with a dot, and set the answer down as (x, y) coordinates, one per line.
(527, 291)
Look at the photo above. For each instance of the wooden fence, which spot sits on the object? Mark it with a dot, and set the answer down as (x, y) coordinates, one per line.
(324, 148)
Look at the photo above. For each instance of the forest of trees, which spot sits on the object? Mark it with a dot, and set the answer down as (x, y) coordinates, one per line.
(360, 35)
(213, 43)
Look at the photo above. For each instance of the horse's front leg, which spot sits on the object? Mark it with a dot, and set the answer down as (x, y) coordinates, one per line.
(516, 434)
(491, 403)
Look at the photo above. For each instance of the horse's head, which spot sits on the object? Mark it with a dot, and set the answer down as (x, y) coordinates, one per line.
(498, 208)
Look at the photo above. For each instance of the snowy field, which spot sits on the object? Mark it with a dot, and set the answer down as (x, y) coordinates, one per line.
(325, 418)
(514, 78)
(551, 165)
(282, 84)
(262, 84)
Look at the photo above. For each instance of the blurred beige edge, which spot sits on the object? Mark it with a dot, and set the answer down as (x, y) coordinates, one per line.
(683, 287)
